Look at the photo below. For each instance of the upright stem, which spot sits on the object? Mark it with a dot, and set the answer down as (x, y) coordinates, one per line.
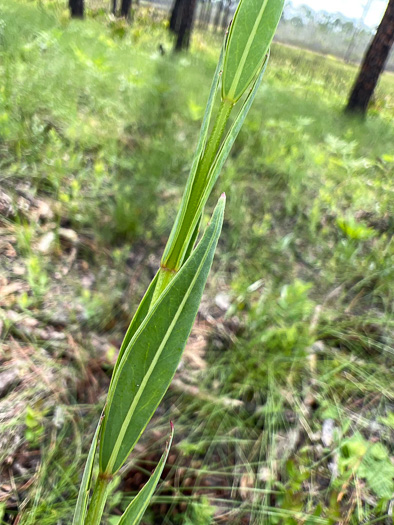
(172, 263)
(98, 501)
(175, 257)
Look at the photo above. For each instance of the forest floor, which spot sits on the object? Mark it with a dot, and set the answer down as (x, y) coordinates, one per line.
(284, 402)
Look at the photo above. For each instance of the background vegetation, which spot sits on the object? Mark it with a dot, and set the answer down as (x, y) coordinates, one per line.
(283, 405)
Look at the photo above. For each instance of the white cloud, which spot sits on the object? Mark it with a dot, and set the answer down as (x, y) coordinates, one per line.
(350, 8)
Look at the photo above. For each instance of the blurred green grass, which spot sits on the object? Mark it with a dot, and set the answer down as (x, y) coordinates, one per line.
(96, 120)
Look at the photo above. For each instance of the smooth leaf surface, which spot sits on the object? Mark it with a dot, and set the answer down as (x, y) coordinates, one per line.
(250, 36)
(232, 133)
(138, 317)
(153, 354)
(135, 511)
(229, 140)
(174, 243)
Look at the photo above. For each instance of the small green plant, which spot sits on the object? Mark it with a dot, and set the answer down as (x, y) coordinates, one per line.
(369, 461)
(37, 276)
(154, 342)
(34, 425)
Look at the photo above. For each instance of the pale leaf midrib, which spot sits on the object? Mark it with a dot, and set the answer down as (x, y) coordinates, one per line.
(245, 53)
(157, 472)
(152, 366)
(197, 156)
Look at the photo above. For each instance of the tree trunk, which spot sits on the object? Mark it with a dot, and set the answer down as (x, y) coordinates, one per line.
(125, 8)
(218, 15)
(175, 17)
(76, 8)
(113, 8)
(373, 64)
(181, 22)
(226, 15)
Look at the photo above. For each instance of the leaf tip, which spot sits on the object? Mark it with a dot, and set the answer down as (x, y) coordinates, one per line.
(223, 196)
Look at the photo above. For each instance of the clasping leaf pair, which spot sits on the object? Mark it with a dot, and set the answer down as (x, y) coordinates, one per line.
(154, 342)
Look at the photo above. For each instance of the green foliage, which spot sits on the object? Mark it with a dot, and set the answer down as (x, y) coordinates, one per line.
(250, 35)
(278, 336)
(150, 360)
(84, 489)
(155, 344)
(201, 513)
(34, 426)
(368, 461)
(136, 509)
(306, 257)
(389, 420)
(355, 230)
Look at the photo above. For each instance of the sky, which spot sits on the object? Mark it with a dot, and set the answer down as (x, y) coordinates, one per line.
(350, 8)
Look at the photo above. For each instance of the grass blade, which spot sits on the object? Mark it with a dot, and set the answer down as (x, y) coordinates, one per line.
(135, 511)
(152, 356)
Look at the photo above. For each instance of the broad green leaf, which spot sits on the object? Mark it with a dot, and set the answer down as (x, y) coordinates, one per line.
(153, 354)
(250, 36)
(136, 509)
(82, 501)
(229, 140)
(173, 241)
(194, 204)
(138, 317)
(233, 131)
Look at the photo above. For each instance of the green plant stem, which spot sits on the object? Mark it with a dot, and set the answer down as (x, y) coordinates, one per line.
(98, 501)
(163, 279)
(175, 257)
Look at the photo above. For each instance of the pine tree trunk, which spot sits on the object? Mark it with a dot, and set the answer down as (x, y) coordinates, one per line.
(218, 15)
(175, 17)
(76, 8)
(373, 64)
(125, 8)
(181, 22)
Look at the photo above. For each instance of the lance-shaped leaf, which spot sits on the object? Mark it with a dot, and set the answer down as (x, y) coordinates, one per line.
(175, 232)
(134, 512)
(137, 319)
(251, 32)
(153, 354)
(82, 501)
(229, 140)
(232, 133)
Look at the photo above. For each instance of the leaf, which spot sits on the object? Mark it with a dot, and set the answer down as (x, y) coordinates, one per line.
(136, 509)
(355, 230)
(193, 239)
(232, 134)
(153, 354)
(216, 166)
(196, 159)
(138, 317)
(82, 501)
(251, 32)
